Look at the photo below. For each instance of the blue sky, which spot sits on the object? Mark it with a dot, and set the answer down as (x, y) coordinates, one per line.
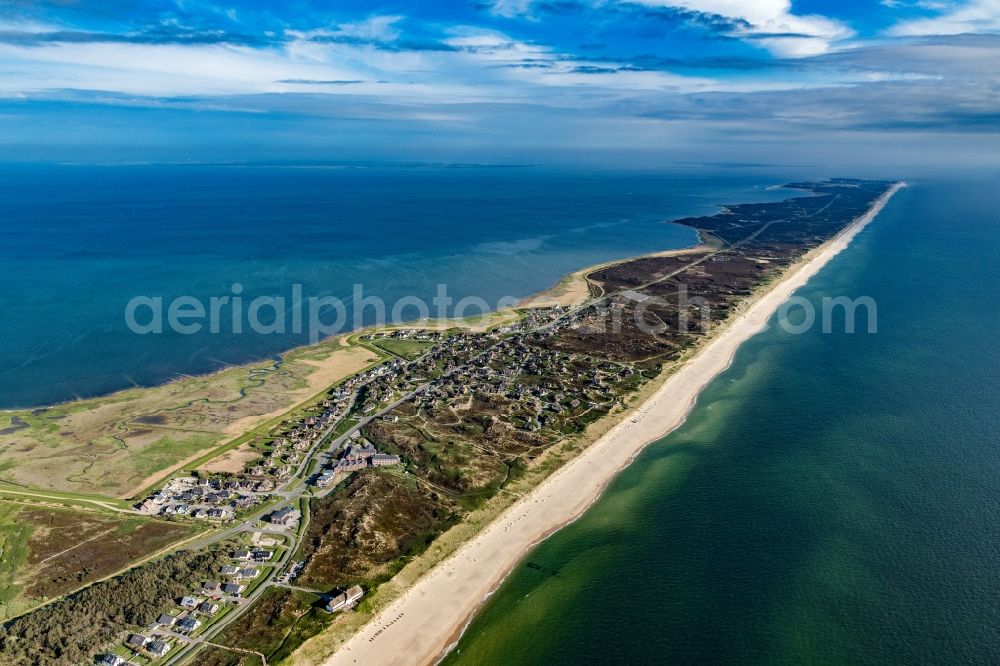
(501, 80)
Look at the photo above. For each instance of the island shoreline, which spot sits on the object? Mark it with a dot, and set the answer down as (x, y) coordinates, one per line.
(426, 622)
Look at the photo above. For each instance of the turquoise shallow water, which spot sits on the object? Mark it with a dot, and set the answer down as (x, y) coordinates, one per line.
(832, 499)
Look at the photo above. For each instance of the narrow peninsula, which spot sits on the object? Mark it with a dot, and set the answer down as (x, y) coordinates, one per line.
(366, 524)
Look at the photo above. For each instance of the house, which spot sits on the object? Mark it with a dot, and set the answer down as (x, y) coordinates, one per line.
(336, 603)
(110, 660)
(166, 620)
(325, 478)
(344, 599)
(242, 554)
(188, 624)
(212, 586)
(354, 593)
(249, 572)
(382, 459)
(189, 602)
(285, 516)
(158, 648)
(261, 555)
(233, 589)
(344, 466)
(230, 570)
(136, 640)
(356, 452)
(208, 608)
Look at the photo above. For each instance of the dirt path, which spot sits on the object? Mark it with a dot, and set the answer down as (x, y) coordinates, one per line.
(76, 545)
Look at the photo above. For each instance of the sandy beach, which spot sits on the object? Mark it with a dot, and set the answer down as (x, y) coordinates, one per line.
(419, 626)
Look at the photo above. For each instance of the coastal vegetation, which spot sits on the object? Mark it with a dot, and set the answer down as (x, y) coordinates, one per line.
(481, 426)
(48, 551)
(14, 535)
(282, 620)
(364, 532)
(72, 630)
(119, 445)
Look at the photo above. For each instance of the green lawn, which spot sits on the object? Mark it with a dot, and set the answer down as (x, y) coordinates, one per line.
(408, 349)
(209, 622)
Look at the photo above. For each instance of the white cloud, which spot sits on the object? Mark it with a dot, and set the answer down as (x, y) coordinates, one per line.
(374, 28)
(485, 67)
(155, 69)
(978, 16)
(493, 45)
(770, 23)
(510, 8)
(381, 28)
(553, 73)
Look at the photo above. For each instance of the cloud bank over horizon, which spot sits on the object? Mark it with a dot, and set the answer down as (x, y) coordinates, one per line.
(500, 80)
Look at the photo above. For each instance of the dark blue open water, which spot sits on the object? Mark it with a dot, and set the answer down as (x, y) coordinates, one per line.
(833, 498)
(80, 242)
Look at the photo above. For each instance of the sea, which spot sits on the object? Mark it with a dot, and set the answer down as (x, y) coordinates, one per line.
(82, 242)
(833, 498)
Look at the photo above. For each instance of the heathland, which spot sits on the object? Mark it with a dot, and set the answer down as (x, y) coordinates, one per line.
(49, 551)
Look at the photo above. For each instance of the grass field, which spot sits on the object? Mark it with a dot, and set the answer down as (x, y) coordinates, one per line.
(408, 349)
(118, 445)
(211, 655)
(48, 551)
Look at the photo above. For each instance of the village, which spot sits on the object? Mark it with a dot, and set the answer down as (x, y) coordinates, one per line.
(537, 383)
(206, 605)
(202, 607)
(505, 392)
(535, 376)
(455, 364)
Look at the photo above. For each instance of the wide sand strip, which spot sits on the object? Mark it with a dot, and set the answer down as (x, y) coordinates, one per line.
(421, 624)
